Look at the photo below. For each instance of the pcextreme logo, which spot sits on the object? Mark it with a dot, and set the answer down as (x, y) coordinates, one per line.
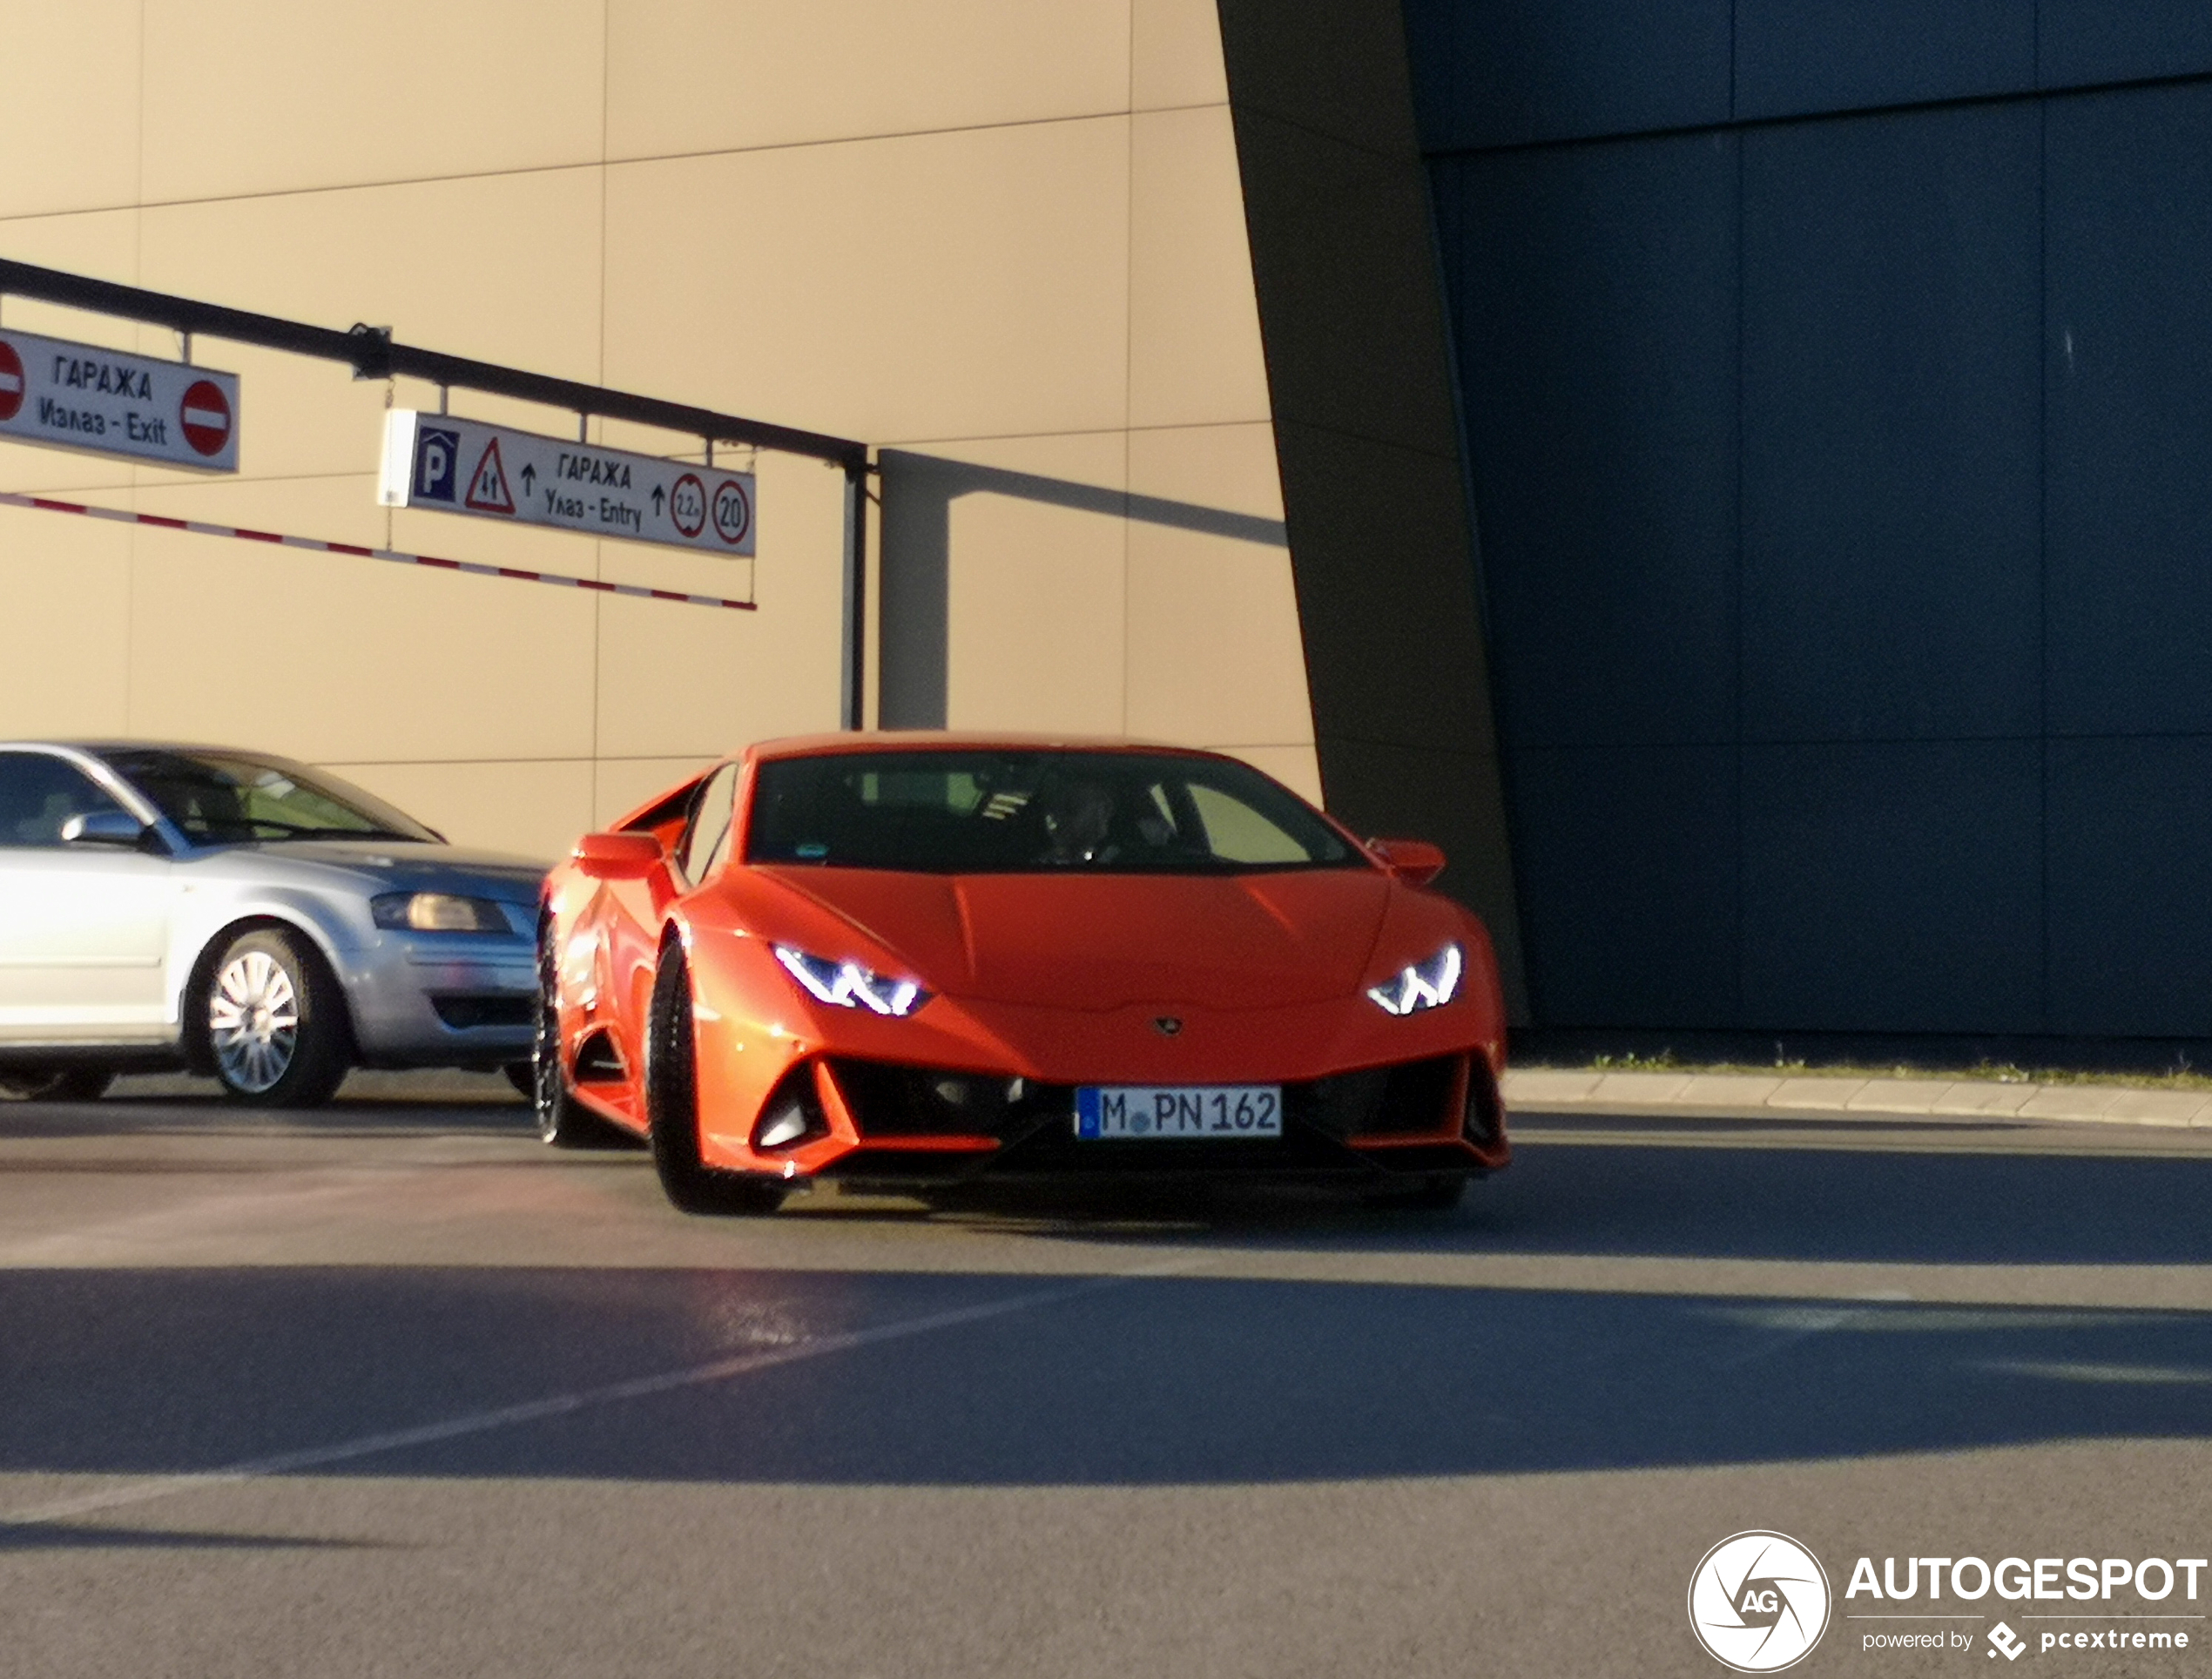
(1758, 1601)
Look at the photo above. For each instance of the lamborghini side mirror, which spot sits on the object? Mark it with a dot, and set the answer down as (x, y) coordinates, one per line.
(618, 856)
(1416, 862)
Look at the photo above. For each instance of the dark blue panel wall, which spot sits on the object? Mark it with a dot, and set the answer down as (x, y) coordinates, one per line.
(1605, 446)
(1891, 399)
(1893, 885)
(2082, 43)
(1497, 72)
(2131, 945)
(1794, 56)
(1837, 379)
(2130, 403)
(1626, 861)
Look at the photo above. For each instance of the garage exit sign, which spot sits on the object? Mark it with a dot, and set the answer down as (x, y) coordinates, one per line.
(105, 401)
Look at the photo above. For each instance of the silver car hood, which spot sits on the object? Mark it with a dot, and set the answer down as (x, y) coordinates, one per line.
(378, 864)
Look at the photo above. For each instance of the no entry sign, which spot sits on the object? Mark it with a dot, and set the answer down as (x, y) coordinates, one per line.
(105, 401)
(446, 465)
(205, 412)
(12, 381)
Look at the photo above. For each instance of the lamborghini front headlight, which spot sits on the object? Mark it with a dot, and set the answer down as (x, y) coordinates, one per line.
(1421, 985)
(847, 984)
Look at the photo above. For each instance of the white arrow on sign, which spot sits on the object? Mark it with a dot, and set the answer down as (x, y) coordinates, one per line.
(445, 465)
(81, 396)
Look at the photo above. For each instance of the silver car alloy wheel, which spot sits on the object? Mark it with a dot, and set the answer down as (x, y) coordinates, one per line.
(254, 1020)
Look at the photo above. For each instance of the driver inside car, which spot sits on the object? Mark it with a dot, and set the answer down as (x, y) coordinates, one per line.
(1077, 818)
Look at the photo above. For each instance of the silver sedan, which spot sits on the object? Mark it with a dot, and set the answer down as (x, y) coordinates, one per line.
(243, 915)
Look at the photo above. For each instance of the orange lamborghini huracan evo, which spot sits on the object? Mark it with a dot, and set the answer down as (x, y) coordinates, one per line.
(916, 961)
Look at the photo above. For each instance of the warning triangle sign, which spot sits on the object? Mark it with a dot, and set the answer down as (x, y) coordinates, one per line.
(488, 491)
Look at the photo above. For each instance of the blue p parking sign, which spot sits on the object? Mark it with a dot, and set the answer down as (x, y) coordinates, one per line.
(437, 452)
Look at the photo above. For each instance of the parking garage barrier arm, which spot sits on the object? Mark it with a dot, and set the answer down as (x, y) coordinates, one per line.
(392, 556)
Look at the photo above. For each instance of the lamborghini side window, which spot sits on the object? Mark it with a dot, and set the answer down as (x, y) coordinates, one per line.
(706, 841)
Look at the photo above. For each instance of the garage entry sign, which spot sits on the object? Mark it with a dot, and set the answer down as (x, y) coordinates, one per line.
(107, 401)
(448, 465)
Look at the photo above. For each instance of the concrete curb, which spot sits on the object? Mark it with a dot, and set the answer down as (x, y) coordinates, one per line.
(1556, 1089)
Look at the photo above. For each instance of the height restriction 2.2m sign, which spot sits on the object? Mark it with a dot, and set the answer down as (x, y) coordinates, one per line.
(105, 401)
(436, 461)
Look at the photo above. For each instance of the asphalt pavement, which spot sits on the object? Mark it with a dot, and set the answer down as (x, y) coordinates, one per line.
(393, 1389)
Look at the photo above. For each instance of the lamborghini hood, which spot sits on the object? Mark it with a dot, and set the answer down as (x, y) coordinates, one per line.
(1105, 941)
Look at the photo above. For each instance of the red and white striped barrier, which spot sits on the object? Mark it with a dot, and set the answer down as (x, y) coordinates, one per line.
(475, 569)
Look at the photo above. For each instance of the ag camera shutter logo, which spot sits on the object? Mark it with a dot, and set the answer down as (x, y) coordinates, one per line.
(1758, 1601)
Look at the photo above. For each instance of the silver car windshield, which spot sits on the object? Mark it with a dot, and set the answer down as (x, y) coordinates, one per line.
(226, 798)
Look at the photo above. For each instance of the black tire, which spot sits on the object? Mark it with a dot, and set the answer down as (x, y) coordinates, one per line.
(1436, 1192)
(672, 1102)
(55, 1083)
(272, 1023)
(562, 1122)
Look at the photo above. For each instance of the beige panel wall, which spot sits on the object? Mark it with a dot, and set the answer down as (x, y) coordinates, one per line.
(1002, 231)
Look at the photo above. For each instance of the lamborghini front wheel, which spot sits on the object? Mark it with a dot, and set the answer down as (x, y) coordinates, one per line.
(672, 1107)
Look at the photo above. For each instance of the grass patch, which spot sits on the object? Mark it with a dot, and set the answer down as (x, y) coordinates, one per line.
(2182, 1076)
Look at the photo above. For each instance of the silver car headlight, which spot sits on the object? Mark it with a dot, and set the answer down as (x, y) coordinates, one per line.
(1421, 985)
(437, 912)
(849, 985)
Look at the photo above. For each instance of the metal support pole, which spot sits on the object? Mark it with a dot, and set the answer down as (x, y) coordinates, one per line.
(855, 660)
(371, 354)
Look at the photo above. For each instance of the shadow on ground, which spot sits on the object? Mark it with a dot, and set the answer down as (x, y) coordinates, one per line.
(1863, 1203)
(1176, 1379)
(70, 1536)
(1857, 1202)
(495, 1112)
(1154, 1381)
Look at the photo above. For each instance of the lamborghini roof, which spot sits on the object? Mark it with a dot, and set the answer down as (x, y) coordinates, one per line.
(939, 740)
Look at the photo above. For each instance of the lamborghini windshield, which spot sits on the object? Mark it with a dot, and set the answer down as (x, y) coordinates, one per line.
(1026, 812)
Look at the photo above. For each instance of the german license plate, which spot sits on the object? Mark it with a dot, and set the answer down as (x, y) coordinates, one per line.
(1108, 1111)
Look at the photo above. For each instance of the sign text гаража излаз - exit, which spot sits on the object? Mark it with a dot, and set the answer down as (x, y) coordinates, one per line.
(81, 396)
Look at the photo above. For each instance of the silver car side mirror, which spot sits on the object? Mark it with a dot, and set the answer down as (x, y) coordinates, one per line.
(103, 828)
